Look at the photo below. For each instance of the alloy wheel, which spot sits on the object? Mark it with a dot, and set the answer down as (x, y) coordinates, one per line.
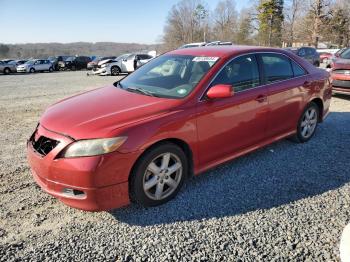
(309, 122)
(162, 176)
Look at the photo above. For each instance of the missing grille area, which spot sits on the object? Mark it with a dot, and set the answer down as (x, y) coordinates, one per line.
(44, 145)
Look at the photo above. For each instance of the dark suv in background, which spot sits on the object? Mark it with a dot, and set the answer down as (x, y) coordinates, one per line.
(308, 53)
(56, 59)
(74, 63)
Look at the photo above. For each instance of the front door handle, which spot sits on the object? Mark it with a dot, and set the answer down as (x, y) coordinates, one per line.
(261, 98)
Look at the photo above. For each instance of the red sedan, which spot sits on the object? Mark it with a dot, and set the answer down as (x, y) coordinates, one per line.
(341, 73)
(182, 113)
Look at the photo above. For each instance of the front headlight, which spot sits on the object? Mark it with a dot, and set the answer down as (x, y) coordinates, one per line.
(93, 147)
(104, 65)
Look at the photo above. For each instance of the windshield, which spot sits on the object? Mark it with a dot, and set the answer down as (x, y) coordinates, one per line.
(171, 76)
(30, 62)
(345, 54)
(71, 58)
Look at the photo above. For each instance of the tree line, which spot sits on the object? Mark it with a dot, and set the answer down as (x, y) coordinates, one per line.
(274, 23)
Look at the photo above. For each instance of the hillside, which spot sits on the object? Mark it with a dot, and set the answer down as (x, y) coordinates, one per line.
(43, 50)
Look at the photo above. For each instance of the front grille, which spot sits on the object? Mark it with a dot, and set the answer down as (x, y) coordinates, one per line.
(44, 145)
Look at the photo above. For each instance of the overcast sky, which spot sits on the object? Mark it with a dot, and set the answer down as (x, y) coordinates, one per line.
(33, 21)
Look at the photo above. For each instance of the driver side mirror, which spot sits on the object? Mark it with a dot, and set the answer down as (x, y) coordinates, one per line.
(220, 91)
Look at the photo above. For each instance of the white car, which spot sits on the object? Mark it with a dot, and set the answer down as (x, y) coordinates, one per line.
(36, 65)
(126, 63)
(193, 45)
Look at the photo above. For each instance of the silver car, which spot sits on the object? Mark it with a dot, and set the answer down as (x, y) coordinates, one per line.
(36, 65)
(7, 68)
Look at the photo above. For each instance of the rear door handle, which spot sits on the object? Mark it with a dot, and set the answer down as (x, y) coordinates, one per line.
(261, 98)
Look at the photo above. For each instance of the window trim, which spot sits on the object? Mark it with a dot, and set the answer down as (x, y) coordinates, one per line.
(202, 96)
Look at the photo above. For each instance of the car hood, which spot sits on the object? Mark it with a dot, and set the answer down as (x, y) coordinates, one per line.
(104, 61)
(340, 63)
(100, 112)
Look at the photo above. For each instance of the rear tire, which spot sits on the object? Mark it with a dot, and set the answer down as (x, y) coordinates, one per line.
(50, 69)
(158, 175)
(307, 124)
(7, 71)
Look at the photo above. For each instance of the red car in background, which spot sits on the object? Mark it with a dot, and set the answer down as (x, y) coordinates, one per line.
(180, 114)
(325, 57)
(340, 73)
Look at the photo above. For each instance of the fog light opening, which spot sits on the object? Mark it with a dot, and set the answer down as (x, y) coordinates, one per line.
(73, 192)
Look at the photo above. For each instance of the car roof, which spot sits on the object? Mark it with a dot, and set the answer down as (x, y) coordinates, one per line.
(223, 51)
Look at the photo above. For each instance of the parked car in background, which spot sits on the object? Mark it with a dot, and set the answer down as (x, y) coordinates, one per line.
(193, 45)
(110, 66)
(93, 64)
(215, 43)
(35, 65)
(20, 62)
(325, 57)
(180, 114)
(308, 53)
(7, 60)
(74, 63)
(7, 68)
(55, 60)
(340, 73)
(126, 63)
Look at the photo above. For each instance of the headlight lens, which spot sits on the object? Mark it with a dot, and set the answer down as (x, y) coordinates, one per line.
(93, 147)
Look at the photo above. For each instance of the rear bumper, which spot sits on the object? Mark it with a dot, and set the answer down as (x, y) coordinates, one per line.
(89, 183)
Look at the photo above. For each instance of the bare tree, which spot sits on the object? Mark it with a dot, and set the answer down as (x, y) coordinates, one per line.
(183, 24)
(225, 20)
(293, 12)
(318, 13)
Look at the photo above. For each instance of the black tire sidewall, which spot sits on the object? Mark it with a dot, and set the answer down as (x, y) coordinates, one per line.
(137, 193)
(117, 71)
(300, 137)
(32, 70)
(7, 71)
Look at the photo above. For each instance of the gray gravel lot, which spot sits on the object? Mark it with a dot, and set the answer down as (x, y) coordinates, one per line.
(284, 202)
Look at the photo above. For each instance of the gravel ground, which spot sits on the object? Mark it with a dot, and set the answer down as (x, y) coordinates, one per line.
(284, 202)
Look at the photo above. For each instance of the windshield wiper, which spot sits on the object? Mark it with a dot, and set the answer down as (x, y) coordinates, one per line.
(140, 90)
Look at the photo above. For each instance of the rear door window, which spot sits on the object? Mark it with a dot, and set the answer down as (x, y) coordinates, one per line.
(276, 67)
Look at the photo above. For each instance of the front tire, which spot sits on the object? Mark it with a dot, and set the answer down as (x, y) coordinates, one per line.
(32, 70)
(307, 123)
(158, 175)
(50, 69)
(115, 70)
